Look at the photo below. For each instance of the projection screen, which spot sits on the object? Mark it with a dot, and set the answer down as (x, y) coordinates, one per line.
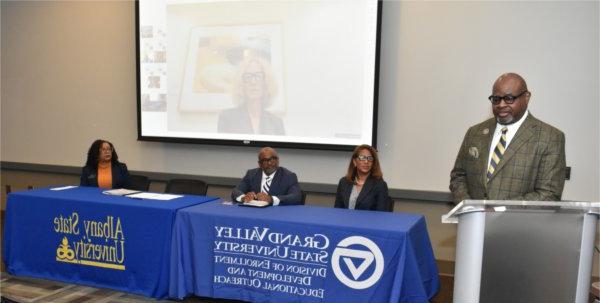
(299, 74)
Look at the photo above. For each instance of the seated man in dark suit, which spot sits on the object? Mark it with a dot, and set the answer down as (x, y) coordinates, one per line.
(268, 182)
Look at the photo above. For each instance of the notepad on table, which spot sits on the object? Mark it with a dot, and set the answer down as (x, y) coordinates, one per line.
(120, 192)
(154, 196)
(256, 203)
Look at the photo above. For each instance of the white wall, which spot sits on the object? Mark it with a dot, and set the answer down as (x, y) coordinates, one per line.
(68, 77)
(441, 59)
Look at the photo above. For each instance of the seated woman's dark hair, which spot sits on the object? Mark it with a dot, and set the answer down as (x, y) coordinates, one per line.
(94, 154)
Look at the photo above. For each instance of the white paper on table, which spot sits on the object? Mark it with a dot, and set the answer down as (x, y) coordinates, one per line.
(154, 196)
(120, 192)
(64, 187)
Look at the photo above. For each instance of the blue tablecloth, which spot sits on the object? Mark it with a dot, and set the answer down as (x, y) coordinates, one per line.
(301, 254)
(80, 235)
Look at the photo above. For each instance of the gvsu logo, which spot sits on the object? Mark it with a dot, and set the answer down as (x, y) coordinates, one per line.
(361, 257)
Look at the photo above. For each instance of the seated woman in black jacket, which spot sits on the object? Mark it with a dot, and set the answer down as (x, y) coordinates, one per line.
(103, 168)
(363, 186)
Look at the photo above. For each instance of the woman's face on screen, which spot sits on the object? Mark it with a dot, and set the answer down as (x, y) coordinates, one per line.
(253, 80)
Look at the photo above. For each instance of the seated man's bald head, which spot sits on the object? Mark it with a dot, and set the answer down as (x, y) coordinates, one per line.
(267, 150)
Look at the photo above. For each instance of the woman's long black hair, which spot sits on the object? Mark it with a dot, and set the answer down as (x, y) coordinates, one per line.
(94, 153)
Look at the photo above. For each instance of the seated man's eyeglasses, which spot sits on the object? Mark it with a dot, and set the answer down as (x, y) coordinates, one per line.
(508, 99)
(365, 158)
(265, 160)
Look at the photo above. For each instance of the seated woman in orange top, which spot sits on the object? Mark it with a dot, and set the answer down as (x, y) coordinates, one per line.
(103, 168)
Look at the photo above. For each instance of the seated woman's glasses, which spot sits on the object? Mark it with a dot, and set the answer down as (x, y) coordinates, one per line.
(365, 158)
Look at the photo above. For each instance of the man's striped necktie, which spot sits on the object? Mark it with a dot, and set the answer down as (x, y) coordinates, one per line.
(267, 185)
(497, 154)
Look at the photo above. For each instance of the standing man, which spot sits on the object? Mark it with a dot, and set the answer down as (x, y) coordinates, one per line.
(512, 156)
(268, 182)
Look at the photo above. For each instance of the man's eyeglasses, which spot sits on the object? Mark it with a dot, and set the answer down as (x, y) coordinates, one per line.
(252, 77)
(266, 160)
(508, 99)
(365, 158)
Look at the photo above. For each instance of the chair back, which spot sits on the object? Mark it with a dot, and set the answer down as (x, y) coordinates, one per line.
(303, 199)
(139, 182)
(186, 187)
(390, 204)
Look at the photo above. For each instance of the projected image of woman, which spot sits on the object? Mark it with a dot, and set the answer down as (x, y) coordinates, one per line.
(363, 187)
(103, 169)
(253, 91)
